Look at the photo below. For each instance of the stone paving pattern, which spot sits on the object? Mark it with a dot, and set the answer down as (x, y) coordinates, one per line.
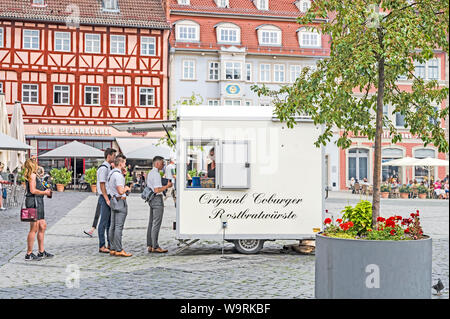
(198, 272)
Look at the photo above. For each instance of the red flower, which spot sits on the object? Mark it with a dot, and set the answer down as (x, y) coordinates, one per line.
(412, 215)
(392, 232)
(350, 224)
(369, 229)
(327, 221)
(398, 217)
(380, 219)
(339, 220)
(407, 230)
(390, 223)
(417, 211)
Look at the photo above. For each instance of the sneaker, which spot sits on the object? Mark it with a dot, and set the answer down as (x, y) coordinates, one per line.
(32, 257)
(2, 208)
(45, 255)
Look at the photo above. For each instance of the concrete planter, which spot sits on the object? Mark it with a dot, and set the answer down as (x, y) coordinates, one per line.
(372, 269)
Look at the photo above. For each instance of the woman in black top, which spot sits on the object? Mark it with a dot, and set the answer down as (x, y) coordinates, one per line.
(34, 198)
(212, 165)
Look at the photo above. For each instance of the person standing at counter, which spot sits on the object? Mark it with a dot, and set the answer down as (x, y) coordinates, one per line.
(154, 182)
(212, 165)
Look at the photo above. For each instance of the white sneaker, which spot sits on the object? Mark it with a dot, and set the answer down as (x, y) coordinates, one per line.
(2, 208)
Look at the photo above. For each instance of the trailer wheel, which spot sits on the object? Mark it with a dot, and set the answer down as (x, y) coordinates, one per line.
(248, 246)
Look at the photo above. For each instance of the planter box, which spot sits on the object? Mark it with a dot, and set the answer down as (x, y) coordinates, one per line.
(422, 196)
(384, 194)
(372, 269)
(404, 195)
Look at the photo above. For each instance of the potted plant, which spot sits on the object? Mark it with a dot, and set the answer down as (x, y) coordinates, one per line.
(61, 177)
(385, 189)
(404, 191)
(195, 177)
(90, 176)
(392, 259)
(422, 190)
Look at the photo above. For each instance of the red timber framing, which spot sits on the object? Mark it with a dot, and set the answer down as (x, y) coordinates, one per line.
(78, 69)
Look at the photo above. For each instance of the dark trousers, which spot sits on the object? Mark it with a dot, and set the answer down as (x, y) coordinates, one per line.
(97, 215)
(105, 221)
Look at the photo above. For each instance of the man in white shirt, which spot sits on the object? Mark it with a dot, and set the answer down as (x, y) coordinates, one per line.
(103, 200)
(170, 175)
(156, 205)
(119, 209)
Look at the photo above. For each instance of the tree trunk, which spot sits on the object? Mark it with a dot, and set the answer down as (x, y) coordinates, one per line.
(378, 137)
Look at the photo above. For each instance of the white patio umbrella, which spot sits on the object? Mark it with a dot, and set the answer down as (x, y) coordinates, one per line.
(4, 127)
(17, 158)
(11, 144)
(76, 150)
(431, 162)
(404, 161)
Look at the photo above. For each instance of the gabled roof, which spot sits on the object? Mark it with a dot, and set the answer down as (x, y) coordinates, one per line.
(133, 13)
(277, 8)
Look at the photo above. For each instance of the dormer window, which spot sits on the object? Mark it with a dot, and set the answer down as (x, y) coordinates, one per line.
(223, 3)
(110, 6)
(38, 3)
(303, 5)
(187, 31)
(228, 33)
(262, 4)
(269, 35)
(309, 38)
(184, 2)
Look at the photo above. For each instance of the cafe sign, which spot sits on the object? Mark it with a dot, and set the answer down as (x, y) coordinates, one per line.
(91, 131)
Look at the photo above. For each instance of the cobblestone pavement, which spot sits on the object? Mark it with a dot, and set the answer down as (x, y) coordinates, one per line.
(199, 272)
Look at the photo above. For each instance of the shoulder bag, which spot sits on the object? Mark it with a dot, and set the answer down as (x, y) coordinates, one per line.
(28, 214)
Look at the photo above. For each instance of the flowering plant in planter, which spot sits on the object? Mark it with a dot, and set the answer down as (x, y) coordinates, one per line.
(355, 226)
(385, 188)
(404, 189)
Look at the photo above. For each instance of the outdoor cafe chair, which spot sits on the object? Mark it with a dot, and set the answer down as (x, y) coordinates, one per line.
(415, 192)
(357, 188)
(364, 189)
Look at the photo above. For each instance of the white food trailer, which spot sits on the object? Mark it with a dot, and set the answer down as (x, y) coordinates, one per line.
(267, 183)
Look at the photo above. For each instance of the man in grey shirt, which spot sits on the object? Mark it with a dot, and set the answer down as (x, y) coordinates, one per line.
(156, 205)
(119, 209)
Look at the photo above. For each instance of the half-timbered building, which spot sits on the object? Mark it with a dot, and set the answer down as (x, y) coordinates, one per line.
(77, 66)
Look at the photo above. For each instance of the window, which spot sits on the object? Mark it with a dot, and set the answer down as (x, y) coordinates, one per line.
(248, 103)
(419, 70)
(148, 46)
(387, 171)
(264, 103)
(198, 152)
(117, 96)
(187, 31)
(433, 69)
(309, 38)
(295, 72)
(30, 93)
(188, 70)
(358, 163)
(92, 43)
(147, 96)
(1, 87)
(228, 35)
(399, 120)
(117, 44)
(234, 168)
(422, 172)
(213, 73)
(264, 73)
(222, 3)
(38, 3)
(31, 39)
(1, 38)
(303, 5)
(184, 2)
(262, 4)
(248, 71)
(213, 102)
(61, 94)
(269, 35)
(110, 5)
(233, 102)
(92, 95)
(62, 41)
(278, 72)
(233, 70)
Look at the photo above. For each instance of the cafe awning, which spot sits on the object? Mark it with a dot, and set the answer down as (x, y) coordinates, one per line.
(142, 148)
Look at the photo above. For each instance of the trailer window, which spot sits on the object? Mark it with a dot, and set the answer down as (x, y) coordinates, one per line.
(201, 164)
(235, 165)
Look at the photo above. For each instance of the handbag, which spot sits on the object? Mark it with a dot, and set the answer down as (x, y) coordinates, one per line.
(28, 214)
(148, 194)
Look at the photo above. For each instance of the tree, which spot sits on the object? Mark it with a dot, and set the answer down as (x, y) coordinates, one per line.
(170, 139)
(373, 44)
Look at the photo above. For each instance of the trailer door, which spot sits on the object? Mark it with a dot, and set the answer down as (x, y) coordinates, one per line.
(234, 165)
